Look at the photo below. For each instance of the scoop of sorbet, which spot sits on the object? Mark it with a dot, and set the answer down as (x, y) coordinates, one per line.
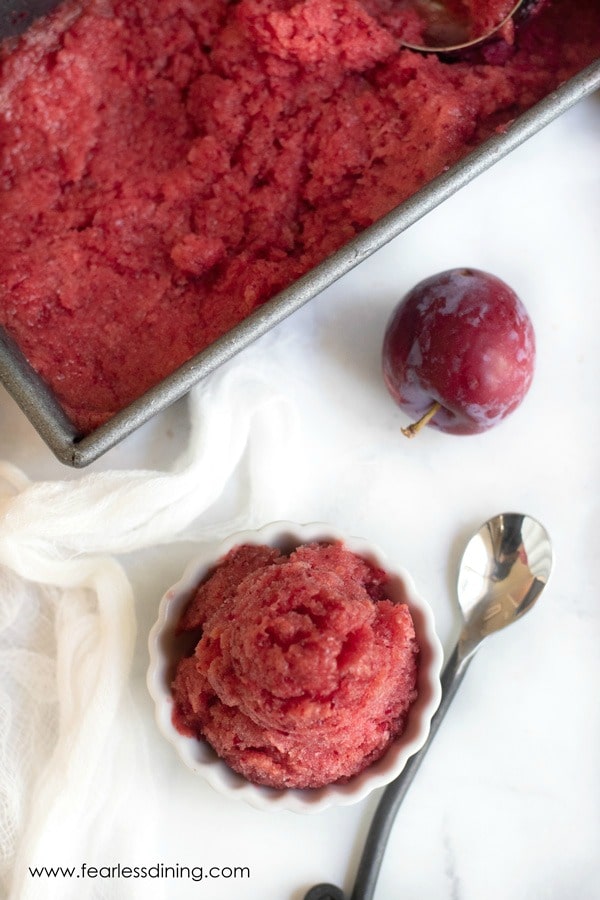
(304, 670)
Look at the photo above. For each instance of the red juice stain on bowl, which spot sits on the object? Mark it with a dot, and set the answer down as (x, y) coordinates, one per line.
(168, 166)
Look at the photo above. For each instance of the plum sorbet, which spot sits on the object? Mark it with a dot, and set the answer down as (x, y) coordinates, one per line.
(304, 669)
(166, 166)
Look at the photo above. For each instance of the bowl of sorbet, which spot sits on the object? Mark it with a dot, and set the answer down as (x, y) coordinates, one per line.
(294, 667)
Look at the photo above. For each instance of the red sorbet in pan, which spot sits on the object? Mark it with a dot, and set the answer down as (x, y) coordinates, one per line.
(168, 165)
(304, 671)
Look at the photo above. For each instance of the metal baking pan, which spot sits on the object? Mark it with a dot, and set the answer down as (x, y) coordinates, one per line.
(48, 418)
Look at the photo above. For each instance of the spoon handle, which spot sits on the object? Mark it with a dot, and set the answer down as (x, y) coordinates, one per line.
(392, 797)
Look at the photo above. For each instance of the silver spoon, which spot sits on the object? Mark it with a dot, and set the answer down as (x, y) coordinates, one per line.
(448, 33)
(503, 571)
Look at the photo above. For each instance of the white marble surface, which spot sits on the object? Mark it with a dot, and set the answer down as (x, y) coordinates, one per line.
(507, 803)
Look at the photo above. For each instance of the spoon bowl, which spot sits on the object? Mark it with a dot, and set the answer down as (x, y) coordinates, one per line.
(449, 31)
(503, 571)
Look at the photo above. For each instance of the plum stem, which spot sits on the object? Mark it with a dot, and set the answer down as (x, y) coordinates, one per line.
(413, 429)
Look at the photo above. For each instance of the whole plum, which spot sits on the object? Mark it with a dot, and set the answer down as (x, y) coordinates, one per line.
(459, 352)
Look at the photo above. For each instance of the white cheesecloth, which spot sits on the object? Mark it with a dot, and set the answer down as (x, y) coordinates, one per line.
(67, 626)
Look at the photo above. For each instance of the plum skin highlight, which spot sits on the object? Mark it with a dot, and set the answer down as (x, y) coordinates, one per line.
(460, 345)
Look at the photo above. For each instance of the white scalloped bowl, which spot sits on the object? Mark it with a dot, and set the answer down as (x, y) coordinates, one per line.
(166, 649)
